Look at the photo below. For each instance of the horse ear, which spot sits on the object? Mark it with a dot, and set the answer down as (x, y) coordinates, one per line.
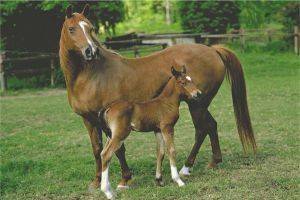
(183, 69)
(175, 72)
(86, 10)
(69, 11)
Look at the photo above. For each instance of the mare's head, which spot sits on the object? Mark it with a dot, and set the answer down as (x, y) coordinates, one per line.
(78, 34)
(184, 84)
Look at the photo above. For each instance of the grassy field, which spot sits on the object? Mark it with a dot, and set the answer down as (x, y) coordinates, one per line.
(46, 153)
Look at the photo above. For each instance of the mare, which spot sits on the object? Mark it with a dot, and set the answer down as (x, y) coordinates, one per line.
(96, 76)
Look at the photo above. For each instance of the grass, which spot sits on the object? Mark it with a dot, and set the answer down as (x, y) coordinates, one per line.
(46, 153)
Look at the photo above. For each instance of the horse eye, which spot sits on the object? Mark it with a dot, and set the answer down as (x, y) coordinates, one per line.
(71, 29)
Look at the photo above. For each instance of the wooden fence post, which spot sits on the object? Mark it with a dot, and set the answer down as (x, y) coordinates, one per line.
(242, 37)
(296, 39)
(269, 35)
(136, 52)
(2, 73)
(52, 71)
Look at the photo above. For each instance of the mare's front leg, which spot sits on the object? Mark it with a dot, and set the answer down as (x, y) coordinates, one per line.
(96, 141)
(168, 136)
(160, 153)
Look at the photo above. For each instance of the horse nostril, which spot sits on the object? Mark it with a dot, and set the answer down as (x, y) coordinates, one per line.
(199, 94)
(88, 52)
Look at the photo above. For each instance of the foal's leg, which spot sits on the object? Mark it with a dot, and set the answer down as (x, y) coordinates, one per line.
(160, 153)
(111, 146)
(96, 141)
(168, 135)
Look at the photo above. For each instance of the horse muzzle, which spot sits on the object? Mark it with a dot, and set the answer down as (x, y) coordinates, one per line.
(90, 53)
(196, 95)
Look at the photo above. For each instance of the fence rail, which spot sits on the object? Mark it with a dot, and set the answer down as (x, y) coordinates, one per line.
(161, 40)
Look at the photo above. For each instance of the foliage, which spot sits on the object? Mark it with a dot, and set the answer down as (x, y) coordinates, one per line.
(110, 14)
(36, 25)
(258, 14)
(291, 15)
(46, 153)
(209, 16)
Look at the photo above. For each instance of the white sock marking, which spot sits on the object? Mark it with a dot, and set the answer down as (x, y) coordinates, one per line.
(175, 176)
(185, 171)
(105, 185)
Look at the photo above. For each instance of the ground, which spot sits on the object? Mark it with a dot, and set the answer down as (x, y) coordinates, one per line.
(46, 153)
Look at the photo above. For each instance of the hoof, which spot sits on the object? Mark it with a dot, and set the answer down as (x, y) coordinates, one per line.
(124, 184)
(122, 187)
(159, 182)
(185, 171)
(214, 163)
(94, 185)
(109, 195)
(179, 182)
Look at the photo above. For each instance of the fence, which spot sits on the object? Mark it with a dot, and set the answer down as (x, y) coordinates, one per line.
(155, 40)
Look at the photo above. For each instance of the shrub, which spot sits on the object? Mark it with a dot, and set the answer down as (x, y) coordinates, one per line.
(209, 16)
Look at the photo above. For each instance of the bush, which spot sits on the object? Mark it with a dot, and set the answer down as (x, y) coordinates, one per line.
(209, 16)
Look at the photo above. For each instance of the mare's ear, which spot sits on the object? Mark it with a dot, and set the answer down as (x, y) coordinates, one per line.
(175, 72)
(69, 11)
(86, 10)
(183, 69)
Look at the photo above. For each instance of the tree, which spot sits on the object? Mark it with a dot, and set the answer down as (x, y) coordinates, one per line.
(35, 25)
(209, 16)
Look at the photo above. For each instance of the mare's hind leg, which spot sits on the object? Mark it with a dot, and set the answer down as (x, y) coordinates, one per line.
(204, 123)
(214, 140)
(126, 173)
(168, 135)
(160, 153)
(198, 117)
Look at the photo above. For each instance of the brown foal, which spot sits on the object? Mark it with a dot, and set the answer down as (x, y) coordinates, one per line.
(159, 115)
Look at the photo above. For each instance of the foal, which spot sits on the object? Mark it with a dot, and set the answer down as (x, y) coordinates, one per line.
(159, 115)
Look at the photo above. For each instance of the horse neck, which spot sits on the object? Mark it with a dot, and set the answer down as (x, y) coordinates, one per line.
(72, 62)
(170, 94)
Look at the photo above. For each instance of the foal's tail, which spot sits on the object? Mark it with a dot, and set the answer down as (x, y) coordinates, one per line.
(236, 78)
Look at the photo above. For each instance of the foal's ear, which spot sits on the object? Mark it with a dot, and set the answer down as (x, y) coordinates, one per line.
(175, 72)
(86, 10)
(69, 11)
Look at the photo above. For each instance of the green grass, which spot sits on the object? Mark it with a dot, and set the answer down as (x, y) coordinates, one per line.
(46, 153)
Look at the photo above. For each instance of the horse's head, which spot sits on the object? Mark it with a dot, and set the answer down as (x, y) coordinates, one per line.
(79, 34)
(185, 85)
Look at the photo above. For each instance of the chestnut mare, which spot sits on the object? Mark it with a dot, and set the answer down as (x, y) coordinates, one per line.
(96, 76)
(159, 115)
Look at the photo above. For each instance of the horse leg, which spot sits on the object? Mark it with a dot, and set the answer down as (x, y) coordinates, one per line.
(111, 146)
(160, 153)
(198, 117)
(168, 136)
(126, 173)
(214, 139)
(96, 141)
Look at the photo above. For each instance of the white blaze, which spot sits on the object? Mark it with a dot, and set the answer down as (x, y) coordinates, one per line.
(82, 24)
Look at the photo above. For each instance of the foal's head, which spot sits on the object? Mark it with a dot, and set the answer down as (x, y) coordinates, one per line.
(78, 34)
(184, 84)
